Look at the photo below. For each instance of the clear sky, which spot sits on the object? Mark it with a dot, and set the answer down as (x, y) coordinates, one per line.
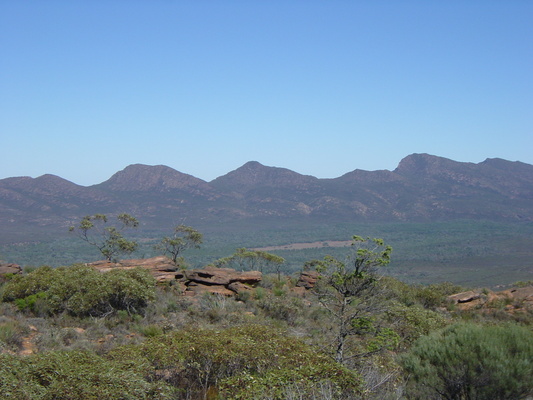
(88, 87)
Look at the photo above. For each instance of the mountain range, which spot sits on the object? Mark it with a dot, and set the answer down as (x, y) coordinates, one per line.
(422, 188)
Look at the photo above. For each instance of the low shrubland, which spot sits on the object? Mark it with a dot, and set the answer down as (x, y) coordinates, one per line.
(81, 290)
(74, 332)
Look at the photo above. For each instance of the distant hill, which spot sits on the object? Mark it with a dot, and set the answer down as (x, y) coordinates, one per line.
(422, 188)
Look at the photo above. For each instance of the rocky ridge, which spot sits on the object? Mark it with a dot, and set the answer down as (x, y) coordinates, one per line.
(223, 281)
(423, 188)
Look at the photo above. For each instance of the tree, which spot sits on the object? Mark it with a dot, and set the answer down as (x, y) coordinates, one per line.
(107, 239)
(349, 290)
(469, 361)
(183, 238)
(252, 260)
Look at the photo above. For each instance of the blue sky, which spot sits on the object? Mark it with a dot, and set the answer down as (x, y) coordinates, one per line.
(319, 87)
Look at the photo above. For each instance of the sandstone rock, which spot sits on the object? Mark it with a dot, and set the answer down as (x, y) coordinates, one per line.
(162, 268)
(512, 300)
(524, 293)
(307, 279)
(9, 268)
(239, 288)
(464, 297)
(222, 276)
(195, 288)
(210, 276)
(223, 281)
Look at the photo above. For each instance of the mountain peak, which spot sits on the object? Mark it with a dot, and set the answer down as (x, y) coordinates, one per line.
(423, 163)
(140, 177)
(254, 173)
(253, 165)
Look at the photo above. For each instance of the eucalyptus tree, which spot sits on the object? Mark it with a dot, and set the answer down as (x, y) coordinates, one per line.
(248, 259)
(109, 240)
(183, 238)
(348, 289)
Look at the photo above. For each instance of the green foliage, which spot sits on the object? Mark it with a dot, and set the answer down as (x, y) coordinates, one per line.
(107, 239)
(281, 308)
(413, 322)
(385, 338)
(237, 361)
(29, 302)
(350, 277)
(73, 375)
(522, 284)
(434, 295)
(151, 330)
(468, 361)
(82, 290)
(349, 289)
(183, 238)
(246, 259)
(11, 333)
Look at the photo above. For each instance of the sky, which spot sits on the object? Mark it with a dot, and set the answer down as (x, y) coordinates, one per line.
(89, 87)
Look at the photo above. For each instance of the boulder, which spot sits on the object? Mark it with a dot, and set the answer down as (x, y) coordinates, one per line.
(308, 279)
(223, 281)
(194, 288)
(465, 297)
(162, 268)
(239, 288)
(222, 276)
(512, 300)
(9, 268)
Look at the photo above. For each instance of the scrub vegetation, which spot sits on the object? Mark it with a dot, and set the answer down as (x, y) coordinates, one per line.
(77, 333)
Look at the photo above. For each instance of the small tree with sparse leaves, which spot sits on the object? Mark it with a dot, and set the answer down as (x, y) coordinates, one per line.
(348, 289)
(251, 260)
(109, 240)
(183, 238)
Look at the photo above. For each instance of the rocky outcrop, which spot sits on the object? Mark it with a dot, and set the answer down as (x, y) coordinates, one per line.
(465, 297)
(9, 268)
(511, 300)
(307, 279)
(162, 268)
(223, 281)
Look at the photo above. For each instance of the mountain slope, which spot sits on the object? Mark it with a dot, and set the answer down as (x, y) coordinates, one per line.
(422, 188)
(159, 178)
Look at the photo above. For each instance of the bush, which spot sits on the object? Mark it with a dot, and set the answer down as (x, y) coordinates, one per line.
(469, 361)
(11, 333)
(415, 321)
(285, 309)
(73, 375)
(236, 362)
(81, 290)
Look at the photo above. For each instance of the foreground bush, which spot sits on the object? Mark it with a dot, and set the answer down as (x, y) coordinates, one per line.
(243, 362)
(468, 361)
(73, 375)
(81, 290)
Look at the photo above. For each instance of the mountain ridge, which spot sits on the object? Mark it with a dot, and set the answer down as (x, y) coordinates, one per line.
(423, 187)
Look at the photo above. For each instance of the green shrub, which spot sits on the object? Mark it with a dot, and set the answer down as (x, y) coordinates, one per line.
(82, 290)
(11, 333)
(286, 309)
(228, 361)
(435, 295)
(22, 286)
(413, 322)
(469, 361)
(30, 302)
(70, 375)
(151, 330)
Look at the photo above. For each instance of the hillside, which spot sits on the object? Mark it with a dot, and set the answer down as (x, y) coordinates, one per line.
(423, 188)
